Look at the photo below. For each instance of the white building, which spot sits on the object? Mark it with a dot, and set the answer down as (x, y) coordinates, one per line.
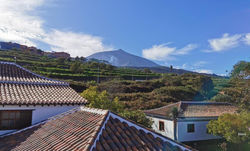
(191, 119)
(27, 98)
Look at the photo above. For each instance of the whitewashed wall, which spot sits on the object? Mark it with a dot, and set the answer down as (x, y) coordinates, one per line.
(200, 132)
(168, 126)
(39, 113)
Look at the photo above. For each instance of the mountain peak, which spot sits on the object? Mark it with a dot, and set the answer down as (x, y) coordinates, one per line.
(123, 59)
(120, 50)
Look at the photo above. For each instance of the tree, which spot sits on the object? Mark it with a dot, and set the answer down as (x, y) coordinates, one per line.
(174, 113)
(91, 83)
(233, 127)
(75, 67)
(147, 70)
(137, 116)
(241, 70)
(171, 68)
(61, 61)
(238, 91)
(101, 100)
(77, 58)
(83, 59)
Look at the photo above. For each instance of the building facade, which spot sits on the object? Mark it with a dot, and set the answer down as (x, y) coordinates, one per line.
(27, 98)
(191, 119)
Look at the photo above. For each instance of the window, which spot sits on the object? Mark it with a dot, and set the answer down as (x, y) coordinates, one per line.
(161, 126)
(190, 128)
(15, 119)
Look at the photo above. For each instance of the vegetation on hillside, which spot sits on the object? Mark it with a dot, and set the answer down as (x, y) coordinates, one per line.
(76, 70)
(158, 92)
(101, 100)
(79, 73)
(234, 128)
(237, 91)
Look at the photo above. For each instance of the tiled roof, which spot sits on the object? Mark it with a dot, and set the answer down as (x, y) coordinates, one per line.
(13, 73)
(194, 109)
(20, 86)
(163, 111)
(88, 129)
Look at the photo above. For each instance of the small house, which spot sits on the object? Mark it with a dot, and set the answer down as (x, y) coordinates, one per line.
(186, 121)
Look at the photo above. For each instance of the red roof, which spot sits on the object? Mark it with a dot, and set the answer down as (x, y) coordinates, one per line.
(194, 109)
(19, 86)
(88, 129)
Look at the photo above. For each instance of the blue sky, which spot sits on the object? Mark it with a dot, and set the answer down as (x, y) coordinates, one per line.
(204, 36)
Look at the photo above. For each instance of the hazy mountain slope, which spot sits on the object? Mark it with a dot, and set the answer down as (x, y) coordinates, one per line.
(121, 58)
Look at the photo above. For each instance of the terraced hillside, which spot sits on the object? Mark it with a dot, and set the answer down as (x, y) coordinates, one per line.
(74, 70)
(138, 89)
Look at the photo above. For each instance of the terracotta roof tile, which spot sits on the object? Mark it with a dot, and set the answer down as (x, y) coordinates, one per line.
(13, 73)
(85, 129)
(194, 109)
(20, 86)
(72, 131)
(119, 135)
(163, 111)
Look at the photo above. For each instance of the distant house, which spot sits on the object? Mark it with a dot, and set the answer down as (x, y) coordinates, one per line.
(27, 98)
(191, 120)
(89, 129)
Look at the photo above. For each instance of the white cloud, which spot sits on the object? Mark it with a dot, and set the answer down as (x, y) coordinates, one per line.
(223, 74)
(74, 43)
(183, 66)
(204, 71)
(199, 64)
(164, 52)
(18, 23)
(196, 67)
(247, 39)
(186, 49)
(224, 43)
(77, 44)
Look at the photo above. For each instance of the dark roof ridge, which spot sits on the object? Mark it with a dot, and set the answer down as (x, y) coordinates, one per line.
(39, 76)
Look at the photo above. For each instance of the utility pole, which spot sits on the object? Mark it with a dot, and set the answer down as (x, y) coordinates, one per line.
(98, 76)
(171, 68)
